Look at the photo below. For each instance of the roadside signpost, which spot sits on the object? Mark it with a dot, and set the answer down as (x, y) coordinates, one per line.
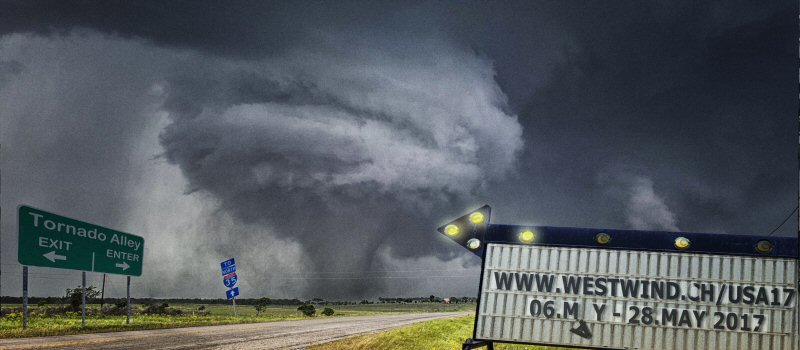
(229, 279)
(51, 240)
(627, 289)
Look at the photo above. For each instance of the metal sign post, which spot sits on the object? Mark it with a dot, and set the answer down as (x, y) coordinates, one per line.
(627, 289)
(103, 292)
(83, 299)
(128, 295)
(24, 297)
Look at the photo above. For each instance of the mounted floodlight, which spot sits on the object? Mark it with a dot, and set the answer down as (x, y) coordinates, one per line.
(602, 238)
(526, 236)
(682, 243)
(452, 230)
(763, 247)
(476, 218)
(468, 227)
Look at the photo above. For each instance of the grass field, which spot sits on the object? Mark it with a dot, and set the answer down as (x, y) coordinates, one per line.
(11, 325)
(431, 335)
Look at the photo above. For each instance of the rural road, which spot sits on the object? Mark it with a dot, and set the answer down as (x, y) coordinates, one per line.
(269, 335)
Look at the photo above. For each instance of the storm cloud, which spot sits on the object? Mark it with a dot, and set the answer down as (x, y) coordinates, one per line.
(322, 144)
(341, 156)
(435, 124)
(344, 151)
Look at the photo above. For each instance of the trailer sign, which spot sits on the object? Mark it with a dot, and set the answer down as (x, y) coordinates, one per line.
(623, 289)
(637, 300)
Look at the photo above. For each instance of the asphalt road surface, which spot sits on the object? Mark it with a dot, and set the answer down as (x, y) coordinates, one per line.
(268, 335)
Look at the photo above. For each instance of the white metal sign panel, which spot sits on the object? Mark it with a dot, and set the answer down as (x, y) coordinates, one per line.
(637, 299)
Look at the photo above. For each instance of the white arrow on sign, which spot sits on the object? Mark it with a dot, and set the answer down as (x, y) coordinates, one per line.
(124, 266)
(52, 256)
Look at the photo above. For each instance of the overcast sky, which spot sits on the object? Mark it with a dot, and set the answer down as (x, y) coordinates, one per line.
(321, 144)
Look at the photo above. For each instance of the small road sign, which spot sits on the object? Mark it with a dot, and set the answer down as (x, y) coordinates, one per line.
(50, 240)
(230, 281)
(232, 293)
(228, 266)
(229, 278)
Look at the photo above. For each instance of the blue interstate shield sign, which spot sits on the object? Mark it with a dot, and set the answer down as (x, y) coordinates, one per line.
(232, 293)
(230, 281)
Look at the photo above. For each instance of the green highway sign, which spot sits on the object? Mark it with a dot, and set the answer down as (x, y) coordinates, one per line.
(50, 240)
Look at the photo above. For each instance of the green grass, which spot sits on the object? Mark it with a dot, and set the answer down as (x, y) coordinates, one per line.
(433, 335)
(11, 325)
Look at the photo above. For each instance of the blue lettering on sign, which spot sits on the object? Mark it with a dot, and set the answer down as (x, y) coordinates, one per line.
(230, 281)
(226, 263)
(232, 293)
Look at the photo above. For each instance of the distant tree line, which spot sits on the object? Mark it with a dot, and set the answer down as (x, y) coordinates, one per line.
(428, 299)
(64, 300)
(93, 299)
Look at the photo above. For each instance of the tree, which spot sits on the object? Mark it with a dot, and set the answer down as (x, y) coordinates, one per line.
(327, 312)
(307, 309)
(432, 298)
(261, 304)
(75, 296)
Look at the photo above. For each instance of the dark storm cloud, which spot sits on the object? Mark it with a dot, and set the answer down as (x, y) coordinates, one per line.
(351, 130)
(347, 145)
(70, 132)
(343, 151)
(699, 100)
(80, 138)
(249, 29)
(257, 27)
